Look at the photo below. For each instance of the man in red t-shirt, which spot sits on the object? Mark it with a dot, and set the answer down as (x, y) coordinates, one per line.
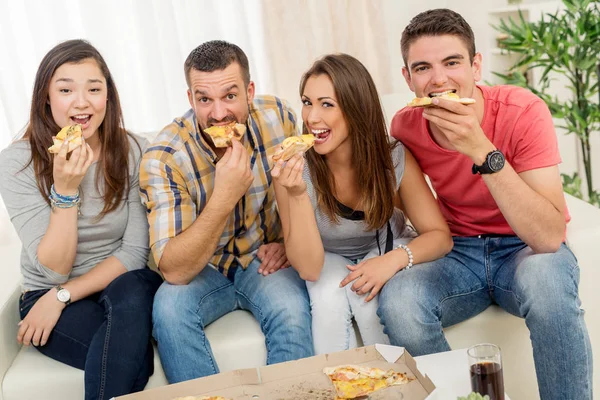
(493, 165)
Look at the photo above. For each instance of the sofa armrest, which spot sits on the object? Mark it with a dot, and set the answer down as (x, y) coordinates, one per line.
(9, 318)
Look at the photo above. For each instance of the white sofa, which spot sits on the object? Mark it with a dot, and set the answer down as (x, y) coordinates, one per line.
(237, 341)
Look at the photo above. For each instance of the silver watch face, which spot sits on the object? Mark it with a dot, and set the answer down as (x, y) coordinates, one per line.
(496, 161)
(63, 295)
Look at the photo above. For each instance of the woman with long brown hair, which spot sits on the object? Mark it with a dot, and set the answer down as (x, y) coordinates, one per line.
(87, 293)
(338, 205)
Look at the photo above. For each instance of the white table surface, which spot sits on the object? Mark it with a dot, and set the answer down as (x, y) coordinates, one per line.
(449, 371)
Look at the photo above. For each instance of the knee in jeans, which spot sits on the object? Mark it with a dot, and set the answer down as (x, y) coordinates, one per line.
(541, 275)
(132, 291)
(170, 304)
(548, 285)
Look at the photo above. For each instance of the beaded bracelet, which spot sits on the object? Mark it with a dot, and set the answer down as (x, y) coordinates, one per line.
(62, 201)
(410, 255)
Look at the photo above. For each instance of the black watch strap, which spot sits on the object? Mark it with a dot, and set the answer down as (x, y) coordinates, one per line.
(494, 162)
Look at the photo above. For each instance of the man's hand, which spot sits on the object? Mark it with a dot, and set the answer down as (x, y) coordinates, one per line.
(459, 123)
(272, 257)
(41, 319)
(233, 175)
(370, 275)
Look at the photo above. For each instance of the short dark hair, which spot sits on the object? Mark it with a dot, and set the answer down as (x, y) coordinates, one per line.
(216, 55)
(437, 22)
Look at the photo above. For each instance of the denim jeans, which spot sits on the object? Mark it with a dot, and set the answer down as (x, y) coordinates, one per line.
(542, 288)
(106, 334)
(333, 307)
(181, 312)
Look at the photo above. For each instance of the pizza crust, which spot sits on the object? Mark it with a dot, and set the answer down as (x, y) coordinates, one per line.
(294, 145)
(72, 134)
(200, 398)
(428, 101)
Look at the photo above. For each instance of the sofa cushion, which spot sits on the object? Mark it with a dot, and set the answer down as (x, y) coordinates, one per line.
(236, 340)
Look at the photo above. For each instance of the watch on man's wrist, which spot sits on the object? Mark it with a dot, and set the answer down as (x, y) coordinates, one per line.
(494, 162)
(63, 295)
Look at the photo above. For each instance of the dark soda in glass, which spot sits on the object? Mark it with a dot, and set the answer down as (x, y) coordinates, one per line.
(486, 378)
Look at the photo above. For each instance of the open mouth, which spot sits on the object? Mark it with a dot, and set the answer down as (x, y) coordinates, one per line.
(438, 94)
(81, 118)
(321, 135)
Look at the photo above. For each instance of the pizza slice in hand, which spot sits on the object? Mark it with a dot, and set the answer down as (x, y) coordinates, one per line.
(294, 145)
(352, 381)
(222, 135)
(428, 101)
(71, 134)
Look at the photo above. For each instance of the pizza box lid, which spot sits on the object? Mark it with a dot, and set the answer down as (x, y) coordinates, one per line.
(300, 379)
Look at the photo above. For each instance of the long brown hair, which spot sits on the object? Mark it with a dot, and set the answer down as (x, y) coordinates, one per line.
(114, 155)
(371, 148)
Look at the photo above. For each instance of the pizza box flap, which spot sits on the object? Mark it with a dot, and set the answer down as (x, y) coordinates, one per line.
(300, 379)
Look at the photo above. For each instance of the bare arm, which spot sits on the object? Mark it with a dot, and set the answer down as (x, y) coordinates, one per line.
(532, 202)
(58, 247)
(433, 242)
(417, 201)
(186, 254)
(303, 245)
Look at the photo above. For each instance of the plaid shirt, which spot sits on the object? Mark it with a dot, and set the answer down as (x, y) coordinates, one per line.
(177, 176)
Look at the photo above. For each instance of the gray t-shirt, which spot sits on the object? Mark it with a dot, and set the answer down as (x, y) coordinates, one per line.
(350, 238)
(122, 233)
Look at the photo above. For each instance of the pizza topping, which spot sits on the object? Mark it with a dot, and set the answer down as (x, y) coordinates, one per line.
(222, 135)
(71, 134)
(294, 145)
(352, 381)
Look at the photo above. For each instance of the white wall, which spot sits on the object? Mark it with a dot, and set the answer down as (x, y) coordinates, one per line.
(146, 42)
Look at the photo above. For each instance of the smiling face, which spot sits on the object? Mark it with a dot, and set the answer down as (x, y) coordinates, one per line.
(323, 116)
(78, 95)
(220, 97)
(438, 64)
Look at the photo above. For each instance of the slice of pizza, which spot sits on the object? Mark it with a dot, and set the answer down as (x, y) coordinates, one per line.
(72, 134)
(352, 381)
(200, 398)
(222, 135)
(428, 101)
(294, 145)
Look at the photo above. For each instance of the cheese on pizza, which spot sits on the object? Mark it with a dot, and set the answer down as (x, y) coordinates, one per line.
(294, 145)
(428, 101)
(352, 381)
(72, 134)
(222, 135)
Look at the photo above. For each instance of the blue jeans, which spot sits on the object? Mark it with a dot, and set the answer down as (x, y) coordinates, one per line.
(181, 312)
(542, 288)
(106, 334)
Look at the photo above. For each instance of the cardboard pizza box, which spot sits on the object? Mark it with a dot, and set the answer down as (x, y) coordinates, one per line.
(299, 380)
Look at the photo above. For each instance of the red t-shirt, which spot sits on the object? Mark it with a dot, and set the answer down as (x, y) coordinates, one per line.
(516, 121)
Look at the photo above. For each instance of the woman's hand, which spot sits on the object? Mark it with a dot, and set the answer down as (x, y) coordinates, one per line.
(370, 275)
(68, 174)
(289, 175)
(36, 327)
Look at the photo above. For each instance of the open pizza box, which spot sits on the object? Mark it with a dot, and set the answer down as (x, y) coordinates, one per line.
(299, 380)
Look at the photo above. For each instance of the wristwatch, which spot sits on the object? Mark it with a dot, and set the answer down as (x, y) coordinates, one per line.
(63, 295)
(494, 162)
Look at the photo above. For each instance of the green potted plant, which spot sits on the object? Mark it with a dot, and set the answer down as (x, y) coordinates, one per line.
(567, 43)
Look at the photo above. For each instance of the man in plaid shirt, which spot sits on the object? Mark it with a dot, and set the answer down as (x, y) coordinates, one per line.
(214, 227)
